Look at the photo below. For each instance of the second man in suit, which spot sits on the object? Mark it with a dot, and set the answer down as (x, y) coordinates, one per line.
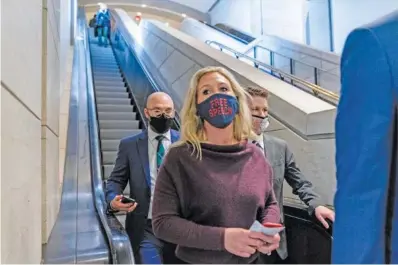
(137, 163)
(284, 168)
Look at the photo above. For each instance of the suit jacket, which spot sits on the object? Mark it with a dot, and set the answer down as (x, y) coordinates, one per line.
(364, 143)
(132, 167)
(285, 168)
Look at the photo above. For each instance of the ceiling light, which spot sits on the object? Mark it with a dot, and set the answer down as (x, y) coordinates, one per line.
(167, 23)
(139, 14)
(183, 15)
(143, 5)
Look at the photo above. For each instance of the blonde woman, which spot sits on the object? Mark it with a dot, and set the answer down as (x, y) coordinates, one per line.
(211, 186)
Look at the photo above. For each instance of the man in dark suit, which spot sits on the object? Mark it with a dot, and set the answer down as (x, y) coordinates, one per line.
(137, 163)
(284, 168)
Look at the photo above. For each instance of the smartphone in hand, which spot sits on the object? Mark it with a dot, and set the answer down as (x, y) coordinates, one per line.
(269, 229)
(127, 200)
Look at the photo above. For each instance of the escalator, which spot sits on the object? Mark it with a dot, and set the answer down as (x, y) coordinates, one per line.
(112, 87)
(116, 116)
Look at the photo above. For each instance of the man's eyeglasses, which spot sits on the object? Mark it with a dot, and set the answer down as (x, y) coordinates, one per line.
(158, 112)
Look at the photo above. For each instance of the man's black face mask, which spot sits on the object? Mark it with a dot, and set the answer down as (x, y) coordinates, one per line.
(160, 124)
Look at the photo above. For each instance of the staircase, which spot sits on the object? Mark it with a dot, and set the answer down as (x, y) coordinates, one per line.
(116, 116)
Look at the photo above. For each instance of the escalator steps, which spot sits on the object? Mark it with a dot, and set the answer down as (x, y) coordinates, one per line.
(116, 116)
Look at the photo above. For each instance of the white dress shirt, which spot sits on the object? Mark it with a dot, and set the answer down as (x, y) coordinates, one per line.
(152, 152)
(259, 139)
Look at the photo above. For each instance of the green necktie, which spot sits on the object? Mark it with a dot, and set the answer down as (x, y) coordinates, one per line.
(160, 150)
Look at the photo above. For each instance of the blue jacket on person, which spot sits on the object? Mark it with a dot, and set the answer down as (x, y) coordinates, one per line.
(366, 201)
(103, 18)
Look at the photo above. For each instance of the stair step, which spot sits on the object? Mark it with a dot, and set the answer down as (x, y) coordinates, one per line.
(114, 101)
(107, 170)
(100, 50)
(106, 68)
(110, 145)
(114, 108)
(105, 63)
(96, 47)
(106, 56)
(127, 115)
(109, 83)
(102, 53)
(113, 79)
(98, 53)
(109, 157)
(116, 89)
(107, 74)
(110, 134)
(119, 124)
(114, 94)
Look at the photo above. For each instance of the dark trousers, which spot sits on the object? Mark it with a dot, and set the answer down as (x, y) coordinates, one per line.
(271, 259)
(150, 249)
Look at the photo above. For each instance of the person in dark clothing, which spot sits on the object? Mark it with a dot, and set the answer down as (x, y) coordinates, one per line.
(103, 22)
(136, 165)
(284, 167)
(211, 186)
(93, 24)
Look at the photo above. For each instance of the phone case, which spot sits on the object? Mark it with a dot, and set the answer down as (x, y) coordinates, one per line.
(269, 231)
(272, 225)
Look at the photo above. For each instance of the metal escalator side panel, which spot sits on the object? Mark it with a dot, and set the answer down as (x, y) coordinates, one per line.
(77, 236)
(308, 242)
(67, 223)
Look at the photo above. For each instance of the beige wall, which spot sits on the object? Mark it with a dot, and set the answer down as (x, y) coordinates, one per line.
(30, 116)
(146, 13)
(172, 22)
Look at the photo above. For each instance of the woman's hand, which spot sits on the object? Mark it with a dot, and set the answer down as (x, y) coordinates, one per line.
(269, 244)
(244, 243)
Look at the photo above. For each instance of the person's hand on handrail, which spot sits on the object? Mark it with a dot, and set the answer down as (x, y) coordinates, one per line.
(323, 214)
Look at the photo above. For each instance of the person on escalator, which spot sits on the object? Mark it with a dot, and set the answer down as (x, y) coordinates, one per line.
(137, 163)
(103, 22)
(284, 167)
(93, 24)
(211, 186)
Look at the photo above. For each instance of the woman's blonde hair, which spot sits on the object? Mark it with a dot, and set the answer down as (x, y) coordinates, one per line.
(192, 130)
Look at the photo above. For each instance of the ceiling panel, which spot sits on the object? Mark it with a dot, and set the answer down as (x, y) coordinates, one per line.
(200, 5)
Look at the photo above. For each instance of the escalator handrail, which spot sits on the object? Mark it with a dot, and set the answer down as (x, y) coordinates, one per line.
(301, 52)
(309, 219)
(315, 88)
(118, 240)
(225, 27)
(153, 83)
(226, 33)
(287, 57)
